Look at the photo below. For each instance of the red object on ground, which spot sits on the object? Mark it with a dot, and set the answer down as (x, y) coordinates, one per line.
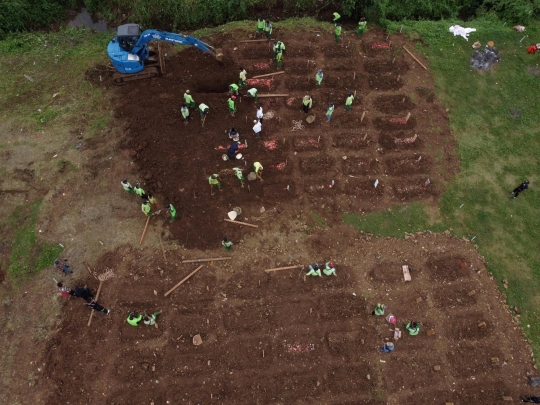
(260, 82)
(380, 45)
(532, 49)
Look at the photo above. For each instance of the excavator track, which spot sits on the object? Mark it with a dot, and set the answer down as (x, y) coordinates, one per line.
(147, 73)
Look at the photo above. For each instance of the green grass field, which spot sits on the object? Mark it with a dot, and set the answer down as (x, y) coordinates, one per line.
(492, 116)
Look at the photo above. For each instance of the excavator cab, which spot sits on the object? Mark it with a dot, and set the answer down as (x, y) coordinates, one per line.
(128, 35)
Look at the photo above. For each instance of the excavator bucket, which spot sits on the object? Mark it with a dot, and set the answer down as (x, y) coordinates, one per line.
(219, 55)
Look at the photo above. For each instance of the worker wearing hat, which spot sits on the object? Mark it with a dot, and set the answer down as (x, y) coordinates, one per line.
(189, 100)
(172, 211)
(387, 347)
(319, 76)
(348, 101)
(213, 180)
(127, 186)
(146, 208)
(232, 107)
(329, 269)
(133, 318)
(243, 78)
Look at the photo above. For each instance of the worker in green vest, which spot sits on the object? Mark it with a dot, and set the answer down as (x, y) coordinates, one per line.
(260, 25)
(330, 269)
(203, 110)
(314, 270)
(337, 32)
(278, 46)
(146, 208)
(319, 76)
(189, 100)
(150, 320)
(361, 26)
(379, 310)
(185, 114)
(253, 93)
(172, 211)
(307, 103)
(227, 244)
(337, 17)
(413, 328)
(238, 172)
(213, 180)
(268, 30)
(330, 111)
(348, 101)
(243, 77)
(133, 318)
(233, 88)
(279, 58)
(232, 108)
(127, 186)
(258, 168)
(139, 191)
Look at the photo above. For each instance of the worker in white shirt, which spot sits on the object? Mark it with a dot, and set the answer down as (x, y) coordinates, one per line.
(257, 128)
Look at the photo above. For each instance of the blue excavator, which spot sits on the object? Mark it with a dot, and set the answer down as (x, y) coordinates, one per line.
(132, 58)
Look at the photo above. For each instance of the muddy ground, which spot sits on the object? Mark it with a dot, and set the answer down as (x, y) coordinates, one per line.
(277, 338)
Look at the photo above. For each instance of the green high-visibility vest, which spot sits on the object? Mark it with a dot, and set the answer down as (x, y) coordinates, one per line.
(188, 98)
(307, 101)
(238, 173)
(338, 30)
(261, 24)
(233, 87)
(172, 210)
(257, 166)
(252, 92)
(146, 208)
(336, 16)
(185, 112)
(330, 110)
(213, 181)
(139, 191)
(203, 107)
(349, 100)
(279, 56)
(134, 321)
(231, 103)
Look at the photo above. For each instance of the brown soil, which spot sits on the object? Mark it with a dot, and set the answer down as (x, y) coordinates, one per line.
(376, 66)
(393, 105)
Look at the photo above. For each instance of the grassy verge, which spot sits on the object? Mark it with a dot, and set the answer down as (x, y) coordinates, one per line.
(492, 115)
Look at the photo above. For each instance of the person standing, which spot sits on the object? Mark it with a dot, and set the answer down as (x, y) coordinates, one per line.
(203, 110)
(146, 208)
(133, 318)
(330, 111)
(337, 17)
(361, 26)
(232, 107)
(307, 103)
(127, 186)
(152, 200)
(243, 77)
(337, 32)
(260, 26)
(233, 88)
(257, 128)
(238, 172)
(348, 101)
(260, 115)
(279, 58)
(232, 151)
(185, 114)
(189, 100)
(522, 187)
(140, 192)
(268, 30)
(97, 307)
(172, 211)
(278, 47)
(227, 244)
(213, 180)
(253, 93)
(258, 168)
(319, 76)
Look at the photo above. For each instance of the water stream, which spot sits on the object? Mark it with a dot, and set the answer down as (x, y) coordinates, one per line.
(83, 19)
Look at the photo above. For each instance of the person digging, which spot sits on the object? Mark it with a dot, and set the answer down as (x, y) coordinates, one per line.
(348, 101)
(238, 172)
(258, 168)
(307, 103)
(243, 78)
(213, 180)
(140, 192)
(253, 93)
(146, 208)
(172, 212)
(227, 244)
(233, 88)
(203, 110)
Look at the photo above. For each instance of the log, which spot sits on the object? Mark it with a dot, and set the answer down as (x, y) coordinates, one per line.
(184, 279)
(415, 58)
(97, 297)
(255, 40)
(144, 232)
(282, 268)
(241, 223)
(363, 115)
(206, 260)
(268, 74)
(88, 268)
(272, 95)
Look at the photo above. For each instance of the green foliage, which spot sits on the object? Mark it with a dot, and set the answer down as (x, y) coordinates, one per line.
(28, 256)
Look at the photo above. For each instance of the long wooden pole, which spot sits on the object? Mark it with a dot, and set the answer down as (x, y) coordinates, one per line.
(88, 268)
(206, 260)
(97, 297)
(241, 223)
(144, 232)
(272, 95)
(268, 74)
(184, 279)
(282, 268)
(255, 40)
(415, 58)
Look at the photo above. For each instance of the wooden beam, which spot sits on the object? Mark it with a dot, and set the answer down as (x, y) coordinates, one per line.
(241, 223)
(268, 74)
(255, 40)
(215, 259)
(272, 95)
(144, 232)
(282, 268)
(415, 58)
(184, 279)
(96, 299)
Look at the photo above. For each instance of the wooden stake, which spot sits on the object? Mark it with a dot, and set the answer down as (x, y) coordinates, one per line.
(272, 95)
(415, 58)
(88, 268)
(97, 297)
(216, 259)
(407, 117)
(162, 247)
(241, 223)
(317, 142)
(393, 60)
(144, 232)
(398, 76)
(269, 74)
(354, 76)
(184, 279)
(365, 137)
(282, 268)
(363, 115)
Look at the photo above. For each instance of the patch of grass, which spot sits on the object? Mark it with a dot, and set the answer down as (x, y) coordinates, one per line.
(493, 117)
(29, 255)
(316, 220)
(394, 222)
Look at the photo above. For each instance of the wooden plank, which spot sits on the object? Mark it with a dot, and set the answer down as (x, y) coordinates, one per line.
(241, 223)
(144, 232)
(96, 299)
(268, 74)
(255, 40)
(272, 95)
(415, 58)
(406, 273)
(206, 260)
(184, 279)
(282, 268)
